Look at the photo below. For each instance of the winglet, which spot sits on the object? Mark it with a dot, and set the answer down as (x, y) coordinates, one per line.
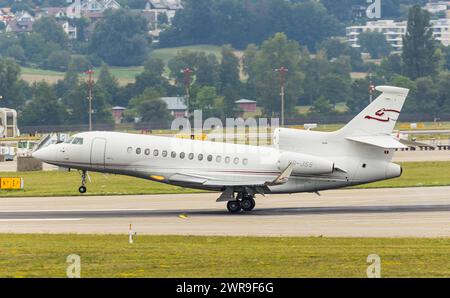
(284, 176)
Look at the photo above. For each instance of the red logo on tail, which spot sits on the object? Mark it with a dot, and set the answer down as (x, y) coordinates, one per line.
(381, 115)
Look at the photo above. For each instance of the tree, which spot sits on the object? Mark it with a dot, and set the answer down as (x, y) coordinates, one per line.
(229, 76)
(37, 49)
(419, 47)
(108, 83)
(443, 98)
(150, 107)
(390, 66)
(426, 96)
(51, 31)
(44, 107)
(151, 77)
(76, 102)
(207, 70)
(375, 44)
(304, 27)
(411, 105)
(58, 60)
(276, 52)
(322, 107)
(240, 23)
(9, 83)
(335, 87)
(121, 38)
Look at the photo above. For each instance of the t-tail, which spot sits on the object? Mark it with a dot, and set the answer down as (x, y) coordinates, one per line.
(380, 117)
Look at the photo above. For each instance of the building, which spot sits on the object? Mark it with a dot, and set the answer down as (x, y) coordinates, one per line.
(117, 113)
(441, 31)
(81, 8)
(8, 123)
(176, 106)
(55, 12)
(22, 22)
(6, 14)
(70, 30)
(394, 32)
(246, 105)
(435, 7)
(168, 7)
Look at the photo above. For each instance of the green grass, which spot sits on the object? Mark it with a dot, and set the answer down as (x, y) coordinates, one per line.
(55, 183)
(40, 72)
(418, 174)
(168, 53)
(120, 73)
(201, 257)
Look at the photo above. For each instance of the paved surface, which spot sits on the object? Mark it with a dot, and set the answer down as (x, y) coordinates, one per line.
(412, 156)
(407, 212)
(11, 166)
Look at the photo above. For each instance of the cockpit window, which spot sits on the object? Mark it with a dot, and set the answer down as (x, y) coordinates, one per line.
(77, 141)
(69, 141)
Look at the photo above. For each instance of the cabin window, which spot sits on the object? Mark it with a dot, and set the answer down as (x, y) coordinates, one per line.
(210, 158)
(156, 152)
(77, 141)
(174, 154)
(227, 159)
(245, 161)
(138, 151)
(182, 155)
(130, 150)
(147, 152)
(191, 156)
(236, 160)
(219, 159)
(164, 153)
(200, 157)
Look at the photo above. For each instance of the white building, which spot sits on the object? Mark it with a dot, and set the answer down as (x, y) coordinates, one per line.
(436, 7)
(441, 31)
(168, 7)
(394, 32)
(79, 8)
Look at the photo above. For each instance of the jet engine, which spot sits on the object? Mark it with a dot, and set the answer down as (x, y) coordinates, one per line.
(305, 164)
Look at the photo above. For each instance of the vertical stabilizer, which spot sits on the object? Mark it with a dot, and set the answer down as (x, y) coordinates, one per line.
(380, 117)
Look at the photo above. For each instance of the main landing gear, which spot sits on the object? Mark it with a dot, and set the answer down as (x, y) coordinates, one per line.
(83, 188)
(243, 202)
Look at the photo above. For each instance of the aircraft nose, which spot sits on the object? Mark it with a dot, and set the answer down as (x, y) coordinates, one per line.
(44, 154)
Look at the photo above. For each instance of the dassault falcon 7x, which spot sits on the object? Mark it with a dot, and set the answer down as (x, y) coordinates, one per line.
(298, 160)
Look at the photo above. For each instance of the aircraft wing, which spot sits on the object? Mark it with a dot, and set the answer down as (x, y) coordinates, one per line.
(214, 182)
(385, 141)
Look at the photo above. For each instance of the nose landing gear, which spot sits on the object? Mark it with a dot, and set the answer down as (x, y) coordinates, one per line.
(83, 188)
(243, 202)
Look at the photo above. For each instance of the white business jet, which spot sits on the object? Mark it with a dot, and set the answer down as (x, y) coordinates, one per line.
(298, 161)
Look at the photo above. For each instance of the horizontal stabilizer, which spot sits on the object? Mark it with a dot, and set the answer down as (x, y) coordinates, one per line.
(387, 142)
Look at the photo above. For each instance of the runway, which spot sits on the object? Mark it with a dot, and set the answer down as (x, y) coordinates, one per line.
(405, 212)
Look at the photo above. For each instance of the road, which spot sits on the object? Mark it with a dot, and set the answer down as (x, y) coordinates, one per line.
(405, 212)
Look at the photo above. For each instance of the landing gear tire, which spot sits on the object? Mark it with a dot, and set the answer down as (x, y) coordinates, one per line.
(234, 206)
(248, 204)
(83, 188)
